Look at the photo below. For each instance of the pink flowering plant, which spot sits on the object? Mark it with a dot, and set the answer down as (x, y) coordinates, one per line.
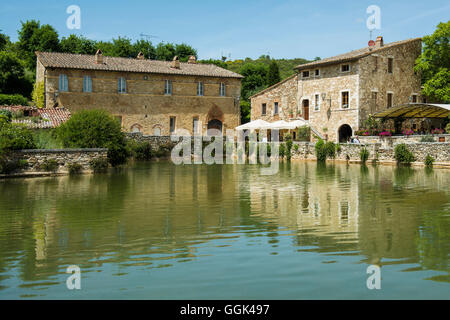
(437, 131)
(385, 134)
(408, 132)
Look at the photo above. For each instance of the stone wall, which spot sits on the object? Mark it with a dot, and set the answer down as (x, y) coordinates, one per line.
(394, 140)
(64, 157)
(144, 106)
(350, 152)
(154, 141)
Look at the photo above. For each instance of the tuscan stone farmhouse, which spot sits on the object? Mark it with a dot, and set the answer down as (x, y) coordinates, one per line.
(148, 96)
(336, 95)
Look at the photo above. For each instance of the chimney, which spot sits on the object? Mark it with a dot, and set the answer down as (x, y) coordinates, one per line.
(379, 42)
(140, 56)
(175, 63)
(192, 60)
(99, 57)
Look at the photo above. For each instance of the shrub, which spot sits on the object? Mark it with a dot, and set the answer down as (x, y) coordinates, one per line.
(13, 100)
(403, 154)
(140, 150)
(288, 149)
(364, 155)
(330, 148)
(447, 128)
(46, 139)
(429, 161)
(74, 168)
(321, 152)
(282, 150)
(338, 148)
(296, 147)
(15, 137)
(38, 94)
(95, 129)
(427, 138)
(6, 114)
(11, 166)
(99, 165)
(164, 151)
(49, 165)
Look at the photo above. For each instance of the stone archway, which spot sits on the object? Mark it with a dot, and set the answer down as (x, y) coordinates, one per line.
(345, 132)
(215, 125)
(136, 128)
(215, 119)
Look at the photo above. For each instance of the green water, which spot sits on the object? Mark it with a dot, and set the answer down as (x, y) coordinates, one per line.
(160, 231)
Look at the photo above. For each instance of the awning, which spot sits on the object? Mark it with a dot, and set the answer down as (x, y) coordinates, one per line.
(416, 110)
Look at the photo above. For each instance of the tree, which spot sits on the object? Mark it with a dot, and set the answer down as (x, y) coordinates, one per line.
(146, 47)
(122, 47)
(78, 44)
(4, 40)
(165, 51)
(34, 37)
(12, 75)
(254, 81)
(434, 64)
(273, 75)
(184, 51)
(95, 129)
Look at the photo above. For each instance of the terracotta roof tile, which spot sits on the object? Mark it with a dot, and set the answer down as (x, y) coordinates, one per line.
(87, 62)
(352, 55)
(51, 118)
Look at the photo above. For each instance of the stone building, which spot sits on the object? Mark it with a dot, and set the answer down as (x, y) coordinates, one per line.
(148, 96)
(336, 95)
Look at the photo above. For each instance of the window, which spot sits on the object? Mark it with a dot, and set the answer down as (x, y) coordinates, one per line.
(374, 96)
(390, 100)
(345, 68)
(390, 65)
(275, 108)
(305, 74)
(122, 85)
(345, 100)
(222, 90)
(317, 102)
(200, 89)
(414, 98)
(63, 83)
(195, 125)
(317, 72)
(87, 84)
(168, 87)
(172, 124)
(263, 109)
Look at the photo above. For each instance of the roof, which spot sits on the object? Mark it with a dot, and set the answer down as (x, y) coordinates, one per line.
(51, 117)
(353, 55)
(87, 62)
(416, 110)
(274, 86)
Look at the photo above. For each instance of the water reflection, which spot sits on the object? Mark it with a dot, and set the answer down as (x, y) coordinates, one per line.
(159, 215)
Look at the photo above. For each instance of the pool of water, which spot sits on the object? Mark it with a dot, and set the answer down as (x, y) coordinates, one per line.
(160, 231)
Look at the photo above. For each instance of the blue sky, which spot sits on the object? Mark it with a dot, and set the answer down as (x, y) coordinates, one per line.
(245, 28)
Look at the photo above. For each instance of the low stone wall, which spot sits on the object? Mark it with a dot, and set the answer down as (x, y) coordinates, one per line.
(155, 141)
(394, 140)
(351, 152)
(64, 157)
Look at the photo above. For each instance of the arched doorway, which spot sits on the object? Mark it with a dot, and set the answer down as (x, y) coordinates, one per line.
(345, 133)
(216, 125)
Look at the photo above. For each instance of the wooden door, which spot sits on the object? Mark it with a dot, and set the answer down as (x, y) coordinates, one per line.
(306, 109)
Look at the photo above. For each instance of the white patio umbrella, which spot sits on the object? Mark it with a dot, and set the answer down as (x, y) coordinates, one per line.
(254, 125)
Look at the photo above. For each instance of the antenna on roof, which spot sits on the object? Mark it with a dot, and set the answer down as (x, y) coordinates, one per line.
(148, 37)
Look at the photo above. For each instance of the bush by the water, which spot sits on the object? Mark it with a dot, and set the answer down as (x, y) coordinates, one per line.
(99, 165)
(13, 100)
(364, 155)
(325, 150)
(140, 150)
(95, 129)
(74, 168)
(50, 165)
(403, 155)
(11, 166)
(429, 161)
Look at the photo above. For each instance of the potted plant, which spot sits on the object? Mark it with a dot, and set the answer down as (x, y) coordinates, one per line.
(408, 132)
(291, 114)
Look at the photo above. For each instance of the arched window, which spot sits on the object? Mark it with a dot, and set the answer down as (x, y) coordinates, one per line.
(157, 131)
(136, 128)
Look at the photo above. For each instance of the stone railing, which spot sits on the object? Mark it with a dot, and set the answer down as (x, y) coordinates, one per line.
(402, 139)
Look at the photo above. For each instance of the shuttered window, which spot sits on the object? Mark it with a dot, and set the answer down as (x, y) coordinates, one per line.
(63, 83)
(122, 85)
(87, 84)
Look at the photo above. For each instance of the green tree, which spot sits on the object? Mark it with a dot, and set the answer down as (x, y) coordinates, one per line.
(184, 51)
(4, 41)
(165, 51)
(434, 64)
(146, 47)
(95, 129)
(12, 75)
(254, 81)
(273, 74)
(78, 44)
(122, 47)
(34, 37)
